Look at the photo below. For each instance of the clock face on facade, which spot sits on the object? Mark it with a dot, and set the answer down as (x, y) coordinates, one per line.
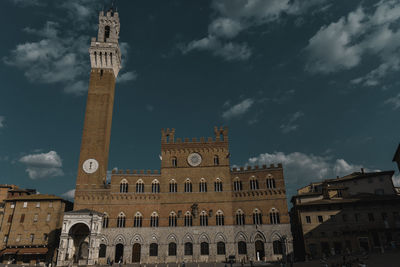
(90, 166)
(194, 159)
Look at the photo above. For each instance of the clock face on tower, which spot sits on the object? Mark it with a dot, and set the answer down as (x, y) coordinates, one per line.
(194, 159)
(90, 166)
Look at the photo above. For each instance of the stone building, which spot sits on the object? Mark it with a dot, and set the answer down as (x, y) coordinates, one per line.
(30, 227)
(355, 213)
(196, 208)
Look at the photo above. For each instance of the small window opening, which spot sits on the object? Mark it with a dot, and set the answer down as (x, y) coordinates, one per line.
(106, 33)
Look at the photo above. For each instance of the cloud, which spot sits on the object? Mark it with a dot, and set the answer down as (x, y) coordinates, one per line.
(78, 88)
(127, 76)
(2, 119)
(290, 125)
(43, 165)
(394, 101)
(238, 109)
(235, 16)
(342, 45)
(301, 169)
(70, 195)
(25, 3)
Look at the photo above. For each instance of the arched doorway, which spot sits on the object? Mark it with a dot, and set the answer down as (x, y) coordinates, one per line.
(260, 252)
(119, 253)
(80, 236)
(136, 252)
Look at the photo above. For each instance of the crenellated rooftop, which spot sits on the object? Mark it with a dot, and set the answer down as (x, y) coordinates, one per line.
(257, 168)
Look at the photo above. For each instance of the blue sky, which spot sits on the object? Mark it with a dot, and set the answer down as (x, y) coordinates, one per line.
(310, 84)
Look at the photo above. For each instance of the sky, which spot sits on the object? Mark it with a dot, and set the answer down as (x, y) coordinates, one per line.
(313, 84)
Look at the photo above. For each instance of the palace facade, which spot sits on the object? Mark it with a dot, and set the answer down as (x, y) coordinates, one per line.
(195, 209)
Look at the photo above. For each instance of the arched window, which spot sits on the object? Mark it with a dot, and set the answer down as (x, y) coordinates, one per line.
(121, 220)
(274, 216)
(172, 219)
(188, 219)
(257, 217)
(188, 248)
(123, 186)
(270, 183)
(154, 220)
(153, 249)
(278, 247)
(242, 247)
(173, 186)
(240, 218)
(202, 185)
(216, 160)
(140, 186)
(174, 162)
(188, 186)
(218, 185)
(137, 221)
(106, 33)
(254, 183)
(155, 186)
(102, 251)
(237, 185)
(219, 218)
(204, 248)
(203, 218)
(221, 248)
(172, 249)
(105, 220)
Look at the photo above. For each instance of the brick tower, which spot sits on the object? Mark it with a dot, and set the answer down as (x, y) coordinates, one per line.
(105, 59)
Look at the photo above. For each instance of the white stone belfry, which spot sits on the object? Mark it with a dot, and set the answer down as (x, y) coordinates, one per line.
(104, 51)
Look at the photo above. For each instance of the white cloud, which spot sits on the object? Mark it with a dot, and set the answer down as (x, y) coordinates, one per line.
(127, 76)
(43, 165)
(2, 119)
(225, 27)
(366, 31)
(291, 125)
(78, 88)
(301, 169)
(70, 195)
(238, 109)
(394, 101)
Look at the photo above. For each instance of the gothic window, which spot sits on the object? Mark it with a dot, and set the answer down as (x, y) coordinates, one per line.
(139, 186)
(219, 218)
(172, 219)
(188, 186)
(203, 218)
(218, 185)
(138, 219)
(106, 33)
(274, 216)
(254, 183)
(123, 186)
(188, 249)
(105, 220)
(242, 247)
(203, 185)
(240, 218)
(174, 162)
(102, 251)
(277, 245)
(237, 185)
(270, 183)
(188, 219)
(153, 249)
(216, 160)
(172, 249)
(257, 217)
(221, 248)
(204, 248)
(154, 220)
(155, 186)
(173, 186)
(121, 220)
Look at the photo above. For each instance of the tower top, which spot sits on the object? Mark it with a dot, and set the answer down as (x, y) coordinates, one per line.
(104, 50)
